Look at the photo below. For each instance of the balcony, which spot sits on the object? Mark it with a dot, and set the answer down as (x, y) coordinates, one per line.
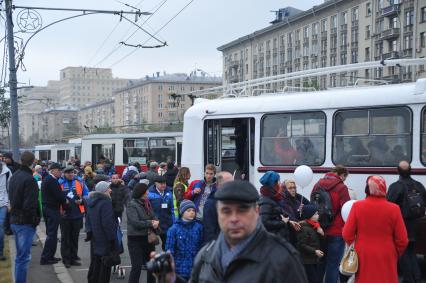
(389, 33)
(408, 28)
(407, 52)
(306, 41)
(324, 35)
(390, 55)
(333, 50)
(390, 10)
(234, 63)
(343, 47)
(305, 58)
(354, 45)
(344, 27)
(333, 30)
(323, 52)
(355, 23)
(392, 78)
(297, 43)
(314, 37)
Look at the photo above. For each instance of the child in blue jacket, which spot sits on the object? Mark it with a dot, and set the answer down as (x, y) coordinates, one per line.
(184, 239)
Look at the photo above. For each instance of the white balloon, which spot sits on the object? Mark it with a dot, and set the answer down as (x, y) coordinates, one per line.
(346, 209)
(303, 175)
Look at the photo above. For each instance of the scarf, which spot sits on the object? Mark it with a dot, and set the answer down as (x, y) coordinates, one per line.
(271, 193)
(314, 224)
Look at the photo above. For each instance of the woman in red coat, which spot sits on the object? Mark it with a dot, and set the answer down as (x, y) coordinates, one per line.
(378, 230)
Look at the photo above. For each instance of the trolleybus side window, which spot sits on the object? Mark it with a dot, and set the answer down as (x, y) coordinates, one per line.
(293, 139)
(423, 137)
(44, 155)
(63, 156)
(372, 137)
(162, 149)
(135, 150)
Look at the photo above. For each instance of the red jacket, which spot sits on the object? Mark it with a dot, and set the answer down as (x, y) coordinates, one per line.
(339, 195)
(380, 237)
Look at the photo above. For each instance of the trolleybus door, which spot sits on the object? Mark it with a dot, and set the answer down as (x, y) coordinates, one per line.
(229, 145)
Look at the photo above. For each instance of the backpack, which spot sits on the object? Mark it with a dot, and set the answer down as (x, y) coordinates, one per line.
(414, 202)
(322, 200)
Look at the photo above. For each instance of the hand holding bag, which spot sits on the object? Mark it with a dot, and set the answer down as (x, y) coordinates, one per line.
(349, 264)
(153, 238)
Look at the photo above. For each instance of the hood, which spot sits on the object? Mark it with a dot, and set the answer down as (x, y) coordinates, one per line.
(4, 168)
(95, 197)
(329, 181)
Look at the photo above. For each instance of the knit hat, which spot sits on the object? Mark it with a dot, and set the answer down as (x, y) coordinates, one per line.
(133, 168)
(102, 186)
(308, 211)
(270, 178)
(184, 205)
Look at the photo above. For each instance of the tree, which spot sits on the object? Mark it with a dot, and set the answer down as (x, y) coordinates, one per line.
(4, 109)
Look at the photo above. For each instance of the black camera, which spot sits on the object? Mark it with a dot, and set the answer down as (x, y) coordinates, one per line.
(161, 263)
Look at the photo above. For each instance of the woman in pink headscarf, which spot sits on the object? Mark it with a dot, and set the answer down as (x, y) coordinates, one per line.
(378, 230)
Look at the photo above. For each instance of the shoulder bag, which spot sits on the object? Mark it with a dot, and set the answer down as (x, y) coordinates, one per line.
(349, 264)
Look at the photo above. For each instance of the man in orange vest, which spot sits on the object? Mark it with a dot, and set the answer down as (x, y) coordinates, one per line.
(72, 216)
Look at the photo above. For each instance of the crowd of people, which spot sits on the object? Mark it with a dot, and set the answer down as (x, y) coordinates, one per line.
(215, 229)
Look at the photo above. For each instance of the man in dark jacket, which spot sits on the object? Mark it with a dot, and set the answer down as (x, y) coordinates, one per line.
(333, 183)
(152, 173)
(170, 174)
(397, 193)
(211, 227)
(102, 226)
(24, 214)
(52, 200)
(161, 198)
(244, 251)
(119, 195)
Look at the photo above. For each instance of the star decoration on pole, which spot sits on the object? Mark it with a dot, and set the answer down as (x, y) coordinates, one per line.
(29, 20)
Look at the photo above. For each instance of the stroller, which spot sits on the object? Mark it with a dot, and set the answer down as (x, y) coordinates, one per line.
(117, 270)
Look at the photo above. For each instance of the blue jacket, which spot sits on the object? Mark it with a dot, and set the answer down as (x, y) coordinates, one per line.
(211, 227)
(72, 210)
(162, 206)
(101, 222)
(184, 241)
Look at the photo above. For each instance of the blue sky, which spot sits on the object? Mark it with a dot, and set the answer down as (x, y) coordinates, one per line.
(192, 36)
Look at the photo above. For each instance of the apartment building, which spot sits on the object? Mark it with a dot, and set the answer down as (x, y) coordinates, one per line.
(80, 86)
(100, 115)
(337, 32)
(158, 99)
(58, 124)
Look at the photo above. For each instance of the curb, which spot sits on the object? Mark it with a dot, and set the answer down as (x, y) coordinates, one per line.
(59, 268)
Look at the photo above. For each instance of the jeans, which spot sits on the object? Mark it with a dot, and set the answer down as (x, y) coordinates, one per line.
(409, 265)
(52, 218)
(23, 238)
(3, 211)
(333, 255)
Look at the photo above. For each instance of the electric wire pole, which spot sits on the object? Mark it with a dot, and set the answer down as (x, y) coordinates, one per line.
(14, 120)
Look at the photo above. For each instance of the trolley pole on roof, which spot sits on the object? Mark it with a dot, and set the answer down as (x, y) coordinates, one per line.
(14, 121)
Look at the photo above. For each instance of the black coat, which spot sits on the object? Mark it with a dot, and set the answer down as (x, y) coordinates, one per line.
(308, 240)
(270, 214)
(397, 195)
(23, 197)
(211, 227)
(119, 197)
(101, 222)
(52, 195)
(170, 176)
(266, 258)
(13, 167)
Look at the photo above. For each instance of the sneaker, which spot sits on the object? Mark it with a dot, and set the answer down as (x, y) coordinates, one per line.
(56, 258)
(77, 258)
(75, 263)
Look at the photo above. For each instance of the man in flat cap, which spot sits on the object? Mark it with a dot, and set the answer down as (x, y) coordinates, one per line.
(244, 251)
(52, 200)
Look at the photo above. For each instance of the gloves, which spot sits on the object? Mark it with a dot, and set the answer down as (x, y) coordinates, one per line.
(88, 236)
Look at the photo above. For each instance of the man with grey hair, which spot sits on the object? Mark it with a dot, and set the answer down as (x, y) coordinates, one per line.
(152, 173)
(211, 227)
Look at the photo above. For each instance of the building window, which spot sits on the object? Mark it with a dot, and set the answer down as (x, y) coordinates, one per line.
(354, 56)
(380, 4)
(344, 18)
(394, 45)
(409, 16)
(407, 41)
(314, 28)
(423, 14)
(423, 39)
(368, 9)
(394, 22)
(367, 54)
(355, 14)
(333, 22)
(324, 25)
(306, 32)
(367, 32)
(343, 59)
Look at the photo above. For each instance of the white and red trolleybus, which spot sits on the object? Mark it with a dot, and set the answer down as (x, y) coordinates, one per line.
(368, 129)
(123, 149)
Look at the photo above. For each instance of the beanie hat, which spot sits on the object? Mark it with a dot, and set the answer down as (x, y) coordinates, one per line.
(102, 186)
(184, 205)
(308, 211)
(270, 178)
(133, 168)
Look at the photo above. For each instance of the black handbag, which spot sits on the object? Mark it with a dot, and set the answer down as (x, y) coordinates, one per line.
(112, 259)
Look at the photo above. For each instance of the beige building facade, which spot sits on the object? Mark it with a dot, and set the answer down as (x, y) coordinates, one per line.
(81, 86)
(158, 99)
(100, 115)
(58, 124)
(334, 33)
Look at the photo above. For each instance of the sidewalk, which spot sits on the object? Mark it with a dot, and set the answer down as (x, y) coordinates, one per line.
(56, 273)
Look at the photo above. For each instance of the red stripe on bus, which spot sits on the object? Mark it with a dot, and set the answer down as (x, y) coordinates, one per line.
(352, 170)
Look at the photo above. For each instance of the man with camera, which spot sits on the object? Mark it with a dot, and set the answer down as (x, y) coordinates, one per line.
(72, 217)
(244, 251)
